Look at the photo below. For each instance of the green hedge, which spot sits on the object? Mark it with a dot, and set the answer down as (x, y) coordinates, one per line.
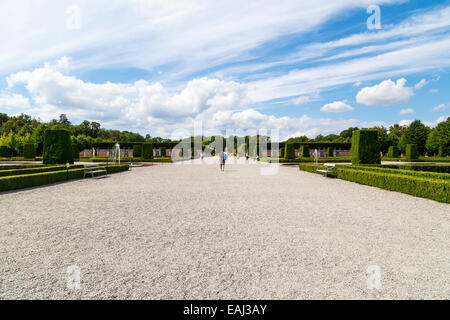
(163, 152)
(330, 152)
(20, 166)
(420, 174)
(304, 151)
(147, 151)
(17, 172)
(393, 152)
(29, 151)
(309, 167)
(365, 147)
(4, 151)
(39, 179)
(420, 167)
(412, 152)
(289, 151)
(57, 147)
(434, 189)
(137, 151)
(75, 151)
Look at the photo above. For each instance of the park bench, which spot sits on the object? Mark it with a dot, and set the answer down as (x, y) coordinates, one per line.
(92, 170)
(326, 170)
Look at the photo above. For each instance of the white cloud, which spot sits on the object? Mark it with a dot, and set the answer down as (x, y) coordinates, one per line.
(357, 83)
(433, 91)
(150, 107)
(337, 106)
(13, 103)
(420, 84)
(301, 100)
(385, 93)
(405, 122)
(202, 30)
(439, 107)
(406, 111)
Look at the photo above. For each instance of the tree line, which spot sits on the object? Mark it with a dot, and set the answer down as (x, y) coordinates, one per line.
(16, 131)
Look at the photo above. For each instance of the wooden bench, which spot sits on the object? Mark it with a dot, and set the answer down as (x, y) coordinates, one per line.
(325, 170)
(93, 170)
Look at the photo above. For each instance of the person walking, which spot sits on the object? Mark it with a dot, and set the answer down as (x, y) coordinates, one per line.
(222, 159)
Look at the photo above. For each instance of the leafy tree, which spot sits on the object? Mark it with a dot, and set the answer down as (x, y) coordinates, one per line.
(348, 133)
(439, 137)
(416, 133)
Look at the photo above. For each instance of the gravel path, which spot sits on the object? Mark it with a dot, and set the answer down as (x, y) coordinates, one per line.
(192, 232)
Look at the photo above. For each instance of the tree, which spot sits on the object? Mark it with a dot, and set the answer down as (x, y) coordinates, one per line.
(348, 133)
(416, 133)
(63, 120)
(395, 133)
(439, 137)
(382, 138)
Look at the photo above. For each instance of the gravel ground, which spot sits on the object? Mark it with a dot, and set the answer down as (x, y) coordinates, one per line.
(192, 232)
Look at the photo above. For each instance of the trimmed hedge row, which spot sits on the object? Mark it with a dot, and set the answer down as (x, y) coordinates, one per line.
(39, 179)
(420, 174)
(434, 189)
(419, 167)
(309, 167)
(18, 172)
(20, 166)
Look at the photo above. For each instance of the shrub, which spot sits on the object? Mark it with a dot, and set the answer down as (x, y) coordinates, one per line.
(147, 151)
(41, 169)
(137, 150)
(39, 179)
(434, 189)
(163, 152)
(304, 151)
(441, 152)
(29, 151)
(75, 151)
(420, 167)
(330, 152)
(412, 152)
(365, 147)
(420, 174)
(4, 151)
(309, 167)
(57, 147)
(289, 152)
(281, 152)
(393, 152)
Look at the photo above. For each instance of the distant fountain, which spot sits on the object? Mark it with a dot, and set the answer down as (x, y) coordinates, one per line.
(316, 156)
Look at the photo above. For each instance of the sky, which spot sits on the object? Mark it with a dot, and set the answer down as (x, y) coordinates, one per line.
(165, 67)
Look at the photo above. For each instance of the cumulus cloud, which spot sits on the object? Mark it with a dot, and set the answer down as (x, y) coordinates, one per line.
(385, 93)
(337, 106)
(406, 111)
(405, 122)
(218, 104)
(14, 101)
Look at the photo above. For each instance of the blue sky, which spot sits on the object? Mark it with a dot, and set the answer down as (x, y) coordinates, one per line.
(162, 67)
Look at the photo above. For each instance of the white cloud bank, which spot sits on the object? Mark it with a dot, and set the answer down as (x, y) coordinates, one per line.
(385, 93)
(150, 107)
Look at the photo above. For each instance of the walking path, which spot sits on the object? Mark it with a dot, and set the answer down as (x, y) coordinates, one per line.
(190, 231)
